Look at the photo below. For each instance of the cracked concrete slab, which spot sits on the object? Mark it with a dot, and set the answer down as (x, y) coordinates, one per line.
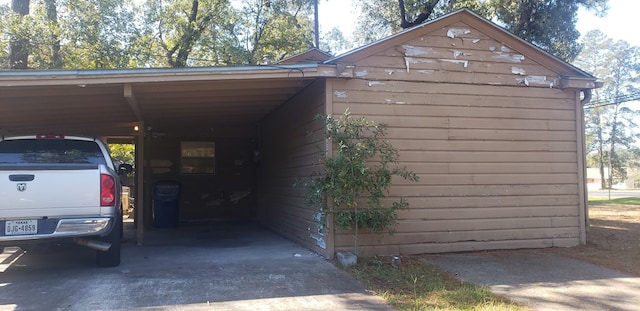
(199, 267)
(546, 281)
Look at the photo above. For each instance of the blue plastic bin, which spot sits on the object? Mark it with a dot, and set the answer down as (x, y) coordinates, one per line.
(166, 204)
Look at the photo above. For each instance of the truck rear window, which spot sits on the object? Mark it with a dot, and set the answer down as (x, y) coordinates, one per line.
(41, 151)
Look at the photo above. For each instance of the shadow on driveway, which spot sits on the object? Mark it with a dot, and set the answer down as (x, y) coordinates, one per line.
(194, 267)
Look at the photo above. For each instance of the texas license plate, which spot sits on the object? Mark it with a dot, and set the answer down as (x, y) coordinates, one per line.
(20, 227)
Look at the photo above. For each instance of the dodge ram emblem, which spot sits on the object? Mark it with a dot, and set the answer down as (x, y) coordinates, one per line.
(22, 187)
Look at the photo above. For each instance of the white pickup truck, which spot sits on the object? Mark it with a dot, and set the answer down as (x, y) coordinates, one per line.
(54, 187)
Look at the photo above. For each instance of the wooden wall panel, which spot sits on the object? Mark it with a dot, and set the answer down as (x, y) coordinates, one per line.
(289, 140)
(488, 131)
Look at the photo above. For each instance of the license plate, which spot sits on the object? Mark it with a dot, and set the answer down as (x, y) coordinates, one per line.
(20, 227)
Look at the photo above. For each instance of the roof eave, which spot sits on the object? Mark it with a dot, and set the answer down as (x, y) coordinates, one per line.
(95, 77)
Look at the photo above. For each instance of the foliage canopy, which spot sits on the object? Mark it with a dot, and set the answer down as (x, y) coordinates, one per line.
(74, 34)
(610, 124)
(548, 24)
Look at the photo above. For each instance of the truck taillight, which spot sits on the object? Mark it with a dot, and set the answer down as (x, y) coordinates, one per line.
(49, 136)
(107, 190)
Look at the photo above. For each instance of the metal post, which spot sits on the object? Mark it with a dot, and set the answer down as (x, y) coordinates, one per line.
(317, 25)
(140, 183)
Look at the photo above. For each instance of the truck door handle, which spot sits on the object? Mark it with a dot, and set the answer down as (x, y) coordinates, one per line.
(22, 177)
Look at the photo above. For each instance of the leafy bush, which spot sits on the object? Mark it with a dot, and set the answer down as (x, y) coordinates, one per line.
(357, 176)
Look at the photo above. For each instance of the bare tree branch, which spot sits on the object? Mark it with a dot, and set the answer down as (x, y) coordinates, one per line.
(423, 16)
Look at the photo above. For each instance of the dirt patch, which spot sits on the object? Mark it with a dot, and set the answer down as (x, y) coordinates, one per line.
(613, 239)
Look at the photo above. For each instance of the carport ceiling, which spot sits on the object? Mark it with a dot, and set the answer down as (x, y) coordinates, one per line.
(113, 102)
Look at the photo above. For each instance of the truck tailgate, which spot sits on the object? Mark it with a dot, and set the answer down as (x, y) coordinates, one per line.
(49, 193)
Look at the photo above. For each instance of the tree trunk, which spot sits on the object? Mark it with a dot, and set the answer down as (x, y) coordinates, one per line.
(52, 17)
(614, 130)
(423, 16)
(19, 47)
(192, 34)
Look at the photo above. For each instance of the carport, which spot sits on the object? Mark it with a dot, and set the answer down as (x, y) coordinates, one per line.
(144, 106)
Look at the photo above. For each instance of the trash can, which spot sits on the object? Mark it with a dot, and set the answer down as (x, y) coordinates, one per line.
(166, 204)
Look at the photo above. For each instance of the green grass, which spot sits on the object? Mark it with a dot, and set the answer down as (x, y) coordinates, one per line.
(606, 201)
(420, 286)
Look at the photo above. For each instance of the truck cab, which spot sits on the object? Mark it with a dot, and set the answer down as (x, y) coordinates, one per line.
(60, 187)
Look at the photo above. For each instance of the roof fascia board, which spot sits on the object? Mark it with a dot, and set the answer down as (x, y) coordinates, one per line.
(385, 43)
(96, 77)
(537, 54)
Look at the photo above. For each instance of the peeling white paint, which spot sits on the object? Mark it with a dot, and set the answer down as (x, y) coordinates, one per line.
(464, 63)
(492, 48)
(389, 71)
(426, 71)
(454, 32)
(516, 58)
(318, 217)
(361, 73)
(340, 94)
(413, 60)
(376, 83)
(389, 101)
(458, 53)
(410, 50)
(538, 80)
(346, 74)
(518, 71)
(319, 240)
(505, 49)
(328, 73)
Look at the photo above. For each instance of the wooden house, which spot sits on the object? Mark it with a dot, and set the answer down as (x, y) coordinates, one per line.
(492, 124)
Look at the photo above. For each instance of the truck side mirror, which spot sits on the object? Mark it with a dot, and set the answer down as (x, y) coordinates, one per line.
(125, 168)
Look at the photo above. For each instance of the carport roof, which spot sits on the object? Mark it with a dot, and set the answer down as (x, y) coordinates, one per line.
(112, 102)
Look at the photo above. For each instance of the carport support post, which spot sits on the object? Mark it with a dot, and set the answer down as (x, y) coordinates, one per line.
(140, 183)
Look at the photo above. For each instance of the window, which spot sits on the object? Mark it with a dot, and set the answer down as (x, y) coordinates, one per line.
(50, 151)
(197, 157)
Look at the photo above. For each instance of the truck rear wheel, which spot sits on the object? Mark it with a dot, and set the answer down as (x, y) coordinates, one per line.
(111, 258)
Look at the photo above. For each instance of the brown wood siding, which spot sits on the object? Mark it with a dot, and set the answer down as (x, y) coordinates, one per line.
(494, 144)
(289, 149)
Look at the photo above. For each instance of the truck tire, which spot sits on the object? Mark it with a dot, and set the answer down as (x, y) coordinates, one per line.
(111, 258)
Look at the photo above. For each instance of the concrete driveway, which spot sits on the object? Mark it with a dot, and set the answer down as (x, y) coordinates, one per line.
(222, 267)
(615, 193)
(545, 281)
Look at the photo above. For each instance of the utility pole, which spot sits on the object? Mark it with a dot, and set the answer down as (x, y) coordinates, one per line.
(317, 25)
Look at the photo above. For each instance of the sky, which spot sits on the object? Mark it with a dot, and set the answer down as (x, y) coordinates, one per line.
(620, 23)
